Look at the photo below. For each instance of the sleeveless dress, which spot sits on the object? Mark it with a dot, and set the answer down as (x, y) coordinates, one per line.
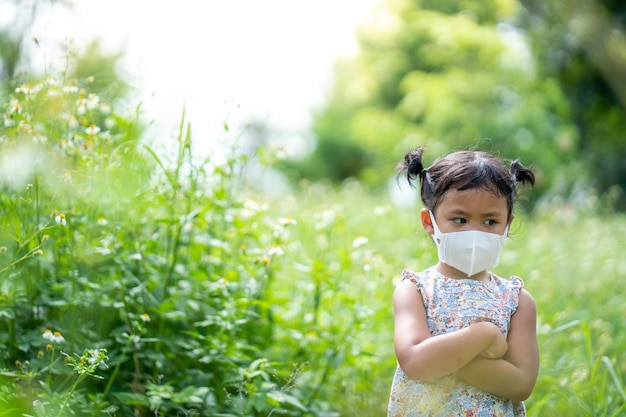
(453, 304)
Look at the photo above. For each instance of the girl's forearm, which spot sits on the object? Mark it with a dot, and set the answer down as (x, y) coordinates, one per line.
(498, 377)
(445, 354)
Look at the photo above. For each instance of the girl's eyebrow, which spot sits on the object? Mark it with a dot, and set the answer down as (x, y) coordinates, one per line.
(493, 214)
(461, 212)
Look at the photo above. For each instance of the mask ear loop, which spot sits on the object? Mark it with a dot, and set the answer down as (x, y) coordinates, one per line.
(437, 234)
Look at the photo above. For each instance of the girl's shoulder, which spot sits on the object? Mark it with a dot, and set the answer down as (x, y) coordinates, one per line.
(514, 282)
(416, 277)
(409, 275)
(413, 276)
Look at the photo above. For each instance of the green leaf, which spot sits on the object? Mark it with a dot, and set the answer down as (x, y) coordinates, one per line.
(129, 398)
(281, 398)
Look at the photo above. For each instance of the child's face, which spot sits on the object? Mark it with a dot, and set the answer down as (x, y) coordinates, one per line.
(473, 209)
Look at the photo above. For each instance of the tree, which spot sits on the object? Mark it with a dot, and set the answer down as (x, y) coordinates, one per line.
(451, 75)
(582, 46)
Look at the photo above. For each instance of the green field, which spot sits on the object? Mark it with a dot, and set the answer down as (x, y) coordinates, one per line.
(137, 282)
(571, 260)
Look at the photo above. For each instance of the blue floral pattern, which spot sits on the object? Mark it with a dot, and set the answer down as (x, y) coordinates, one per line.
(452, 304)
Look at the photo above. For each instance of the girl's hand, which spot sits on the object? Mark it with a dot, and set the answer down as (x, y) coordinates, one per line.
(498, 345)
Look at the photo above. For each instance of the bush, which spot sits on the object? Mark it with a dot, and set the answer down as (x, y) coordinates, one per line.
(151, 269)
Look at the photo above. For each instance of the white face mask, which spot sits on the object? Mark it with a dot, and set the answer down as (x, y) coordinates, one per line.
(469, 251)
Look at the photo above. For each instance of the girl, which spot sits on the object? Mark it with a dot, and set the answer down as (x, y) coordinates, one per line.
(465, 339)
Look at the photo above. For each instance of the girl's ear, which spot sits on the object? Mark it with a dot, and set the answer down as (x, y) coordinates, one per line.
(511, 220)
(427, 223)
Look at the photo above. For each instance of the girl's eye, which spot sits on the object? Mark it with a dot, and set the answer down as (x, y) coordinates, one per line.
(459, 221)
(490, 222)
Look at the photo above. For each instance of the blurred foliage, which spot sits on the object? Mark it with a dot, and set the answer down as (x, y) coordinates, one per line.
(136, 281)
(101, 67)
(14, 35)
(18, 43)
(144, 263)
(455, 75)
(140, 281)
(582, 47)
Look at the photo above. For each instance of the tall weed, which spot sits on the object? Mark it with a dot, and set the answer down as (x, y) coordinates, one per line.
(107, 246)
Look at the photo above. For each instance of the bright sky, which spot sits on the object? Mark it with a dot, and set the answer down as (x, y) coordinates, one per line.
(268, 58)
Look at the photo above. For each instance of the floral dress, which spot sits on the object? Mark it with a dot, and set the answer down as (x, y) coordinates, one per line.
(452, 304)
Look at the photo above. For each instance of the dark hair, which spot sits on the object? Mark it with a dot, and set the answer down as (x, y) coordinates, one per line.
(464, 170)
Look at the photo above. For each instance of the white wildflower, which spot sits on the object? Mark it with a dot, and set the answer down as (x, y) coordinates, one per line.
(92, 130)
(284, 221)
(276, 250)
(359, 241)
(60, 219)
(55, 337)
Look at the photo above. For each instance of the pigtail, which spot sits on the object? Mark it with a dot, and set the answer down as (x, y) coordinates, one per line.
(412, 164)
(522, 174)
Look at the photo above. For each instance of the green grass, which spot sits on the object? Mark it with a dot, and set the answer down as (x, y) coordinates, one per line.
(572, 262)
(214, 297)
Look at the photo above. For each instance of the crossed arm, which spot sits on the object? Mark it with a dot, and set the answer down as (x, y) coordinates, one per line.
(479, 355)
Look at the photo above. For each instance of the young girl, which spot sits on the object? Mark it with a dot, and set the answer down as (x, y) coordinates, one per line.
(465, 339)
